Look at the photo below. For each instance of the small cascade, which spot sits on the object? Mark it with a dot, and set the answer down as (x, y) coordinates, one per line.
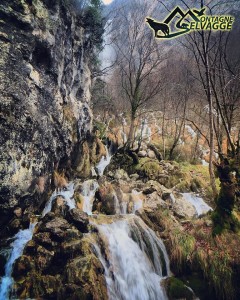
(204, 163)
(134, 259)
(137, 201)
(190, 131)
(89, 188)
(24, 236)
(104, 162)
(199, 204)
(147, 132)
(17, 246)
(66, 194)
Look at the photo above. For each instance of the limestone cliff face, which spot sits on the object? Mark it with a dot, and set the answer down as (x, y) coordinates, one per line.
(44, 88)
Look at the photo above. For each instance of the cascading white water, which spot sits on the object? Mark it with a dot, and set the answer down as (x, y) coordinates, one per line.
(23, 236)
(20, 240)
(199, 204)
(104, 162)
(191, 131)
(137, 260)
(89, 188)
(66, 194)
(138, 203)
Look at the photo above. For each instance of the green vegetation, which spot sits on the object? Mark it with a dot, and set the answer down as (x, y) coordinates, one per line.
(149, 168)
(176, 289)
(100, 128)
(192, 248)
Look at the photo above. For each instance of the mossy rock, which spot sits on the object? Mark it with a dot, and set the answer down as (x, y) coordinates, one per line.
(149, 168)
(176, 289)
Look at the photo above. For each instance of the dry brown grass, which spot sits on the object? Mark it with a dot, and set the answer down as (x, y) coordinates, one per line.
(59, 181)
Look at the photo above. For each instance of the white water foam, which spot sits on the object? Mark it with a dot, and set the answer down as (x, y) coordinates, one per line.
(199, 204)
(23, 236)
(66, 194)
(132, 274)
(104, 162)
(89, 188)
(20, 240)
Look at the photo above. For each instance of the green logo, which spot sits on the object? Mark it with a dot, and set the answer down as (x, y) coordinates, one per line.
(188, 21)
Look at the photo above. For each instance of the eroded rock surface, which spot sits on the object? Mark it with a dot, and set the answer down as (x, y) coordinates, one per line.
(44, 89)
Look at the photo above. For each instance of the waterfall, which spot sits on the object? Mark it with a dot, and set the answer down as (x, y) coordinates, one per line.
(138, 202)
(199, 204)
(20, 240)
(89, 188)
(66, 194)
(24, 236)
(104, 162)
(135, 260)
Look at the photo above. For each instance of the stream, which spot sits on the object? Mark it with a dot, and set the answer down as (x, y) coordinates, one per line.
(134, 259)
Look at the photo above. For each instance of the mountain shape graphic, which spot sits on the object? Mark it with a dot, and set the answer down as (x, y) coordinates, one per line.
(184, 16)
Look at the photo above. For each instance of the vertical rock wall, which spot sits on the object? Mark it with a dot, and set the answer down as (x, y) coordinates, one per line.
(45, 91)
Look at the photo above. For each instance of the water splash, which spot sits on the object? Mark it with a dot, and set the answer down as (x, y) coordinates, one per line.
(137, 260)
(66, 194)
(199, 204)
(104, 162)
(89, 188)
(138, 202)
(20, 240)
(23, 236)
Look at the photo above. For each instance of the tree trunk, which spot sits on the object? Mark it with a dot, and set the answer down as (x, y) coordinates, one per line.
(130, 140)
(211, 129)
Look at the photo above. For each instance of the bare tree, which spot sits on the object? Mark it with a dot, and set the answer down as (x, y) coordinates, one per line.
(138, 58)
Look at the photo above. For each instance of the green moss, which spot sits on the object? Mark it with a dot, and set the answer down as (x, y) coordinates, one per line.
(177, 290)
(101, 128)
(149, 168)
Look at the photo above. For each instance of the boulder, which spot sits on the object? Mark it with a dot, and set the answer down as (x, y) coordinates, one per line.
(79, 219)
(22, 266)
(182, 208)
(121, 174)
(142, 153)
(152, 186)
(56, 226)
(153, 201)
(88, 272)
(151, 154)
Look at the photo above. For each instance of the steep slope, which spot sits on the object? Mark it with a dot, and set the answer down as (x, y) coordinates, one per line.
(44, 89)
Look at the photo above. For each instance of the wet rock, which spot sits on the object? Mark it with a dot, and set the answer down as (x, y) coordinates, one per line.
(3, 261)
(43, 258)
(59, 207)
(22, 266)
(14, 226)
(56, 226)
(176, 289)
(43, 81)
(18, 212)
(88, 270)
(71, 249)
(79, 219)
(44, 239)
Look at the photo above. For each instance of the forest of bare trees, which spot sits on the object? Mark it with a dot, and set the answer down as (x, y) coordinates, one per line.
(192, 80)
(188, 86)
